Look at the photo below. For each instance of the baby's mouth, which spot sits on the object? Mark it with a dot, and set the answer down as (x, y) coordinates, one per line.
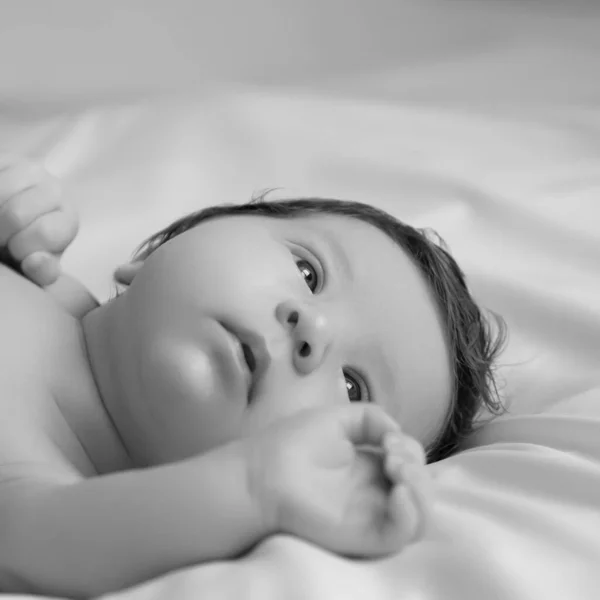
(255, 353)
(249, 357)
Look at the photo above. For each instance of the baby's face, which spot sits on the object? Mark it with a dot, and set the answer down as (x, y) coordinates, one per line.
(245, 320)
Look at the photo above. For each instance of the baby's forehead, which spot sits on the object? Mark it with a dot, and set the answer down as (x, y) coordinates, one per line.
(346, 231)
(315, 220)
(357, 240)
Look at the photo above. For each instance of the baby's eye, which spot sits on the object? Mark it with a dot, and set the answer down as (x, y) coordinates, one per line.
(356, 388)
(309, 273)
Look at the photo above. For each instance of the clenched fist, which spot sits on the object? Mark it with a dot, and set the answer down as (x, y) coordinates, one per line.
(346, 479)
(35, 225)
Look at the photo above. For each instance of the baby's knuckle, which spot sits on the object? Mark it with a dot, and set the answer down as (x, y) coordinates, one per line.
(18, 248)
(47, 233)
(17, 216)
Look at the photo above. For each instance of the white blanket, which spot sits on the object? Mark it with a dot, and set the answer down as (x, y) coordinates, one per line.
(490, 133)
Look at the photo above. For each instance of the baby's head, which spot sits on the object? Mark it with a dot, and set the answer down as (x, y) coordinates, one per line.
(238, 315)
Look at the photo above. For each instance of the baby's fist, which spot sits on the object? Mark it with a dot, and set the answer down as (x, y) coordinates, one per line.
(35, 226)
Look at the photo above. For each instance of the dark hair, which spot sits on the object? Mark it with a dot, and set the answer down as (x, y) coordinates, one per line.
(474, 345)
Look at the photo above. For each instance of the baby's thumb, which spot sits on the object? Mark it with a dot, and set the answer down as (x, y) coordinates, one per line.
(41, 268)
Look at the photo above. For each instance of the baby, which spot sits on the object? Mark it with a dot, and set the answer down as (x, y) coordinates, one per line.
(248, 381)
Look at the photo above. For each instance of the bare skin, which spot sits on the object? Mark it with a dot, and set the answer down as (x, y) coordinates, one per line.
(294, 466)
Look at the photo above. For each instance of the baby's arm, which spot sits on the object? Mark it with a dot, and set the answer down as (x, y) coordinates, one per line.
(88, 537)
(303, 476)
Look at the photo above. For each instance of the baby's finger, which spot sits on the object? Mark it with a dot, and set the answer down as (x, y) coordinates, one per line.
(406, 515)
(41, 268)
(51, 233)
(405, 446)
(19, 176)
(402, 455)
(411, 507)
(367, 424)
(422, 492)
(23, 209)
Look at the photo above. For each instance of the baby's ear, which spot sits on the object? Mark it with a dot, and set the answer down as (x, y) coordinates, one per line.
(125, 274)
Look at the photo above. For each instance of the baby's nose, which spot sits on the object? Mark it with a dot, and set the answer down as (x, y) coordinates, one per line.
(310, 334)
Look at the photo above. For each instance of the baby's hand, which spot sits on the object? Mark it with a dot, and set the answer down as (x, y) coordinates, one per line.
(412, 494)
(345, 478)
(35, 226)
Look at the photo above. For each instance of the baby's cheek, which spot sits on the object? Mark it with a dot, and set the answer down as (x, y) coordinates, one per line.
(285, 393)
(179, 373)
(189, 411)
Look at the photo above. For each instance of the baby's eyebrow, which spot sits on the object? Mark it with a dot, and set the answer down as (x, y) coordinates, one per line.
(340, 259)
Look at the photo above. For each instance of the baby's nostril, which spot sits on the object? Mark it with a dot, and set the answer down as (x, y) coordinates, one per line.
(304, 350)
(293, 318)
(249, 357)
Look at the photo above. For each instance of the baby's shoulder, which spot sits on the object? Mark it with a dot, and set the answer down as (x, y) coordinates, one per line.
(30, 322)
(34, 332)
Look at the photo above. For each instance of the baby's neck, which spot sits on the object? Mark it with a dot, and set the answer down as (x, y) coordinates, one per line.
(79, 400)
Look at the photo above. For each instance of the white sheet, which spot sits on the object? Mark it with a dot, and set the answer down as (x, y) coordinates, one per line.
(493, 139)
